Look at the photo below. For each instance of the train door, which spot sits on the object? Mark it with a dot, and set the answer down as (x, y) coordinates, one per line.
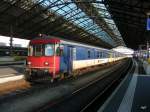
(71, 56)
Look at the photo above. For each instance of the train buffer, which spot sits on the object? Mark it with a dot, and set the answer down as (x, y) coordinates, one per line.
(132, 95)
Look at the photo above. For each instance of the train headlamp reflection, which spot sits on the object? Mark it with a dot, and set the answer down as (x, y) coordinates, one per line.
(29, 63)
(46, 63)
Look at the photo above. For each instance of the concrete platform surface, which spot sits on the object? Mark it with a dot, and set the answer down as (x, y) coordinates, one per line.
(11, 73)
(132, 95)
(6, 58)
(11, 70)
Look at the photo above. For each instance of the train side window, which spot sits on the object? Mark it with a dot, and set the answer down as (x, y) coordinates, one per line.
(61, 50)
(89, 54)
(57, 49)
(103, 55)
(98, 54)
(106, 55)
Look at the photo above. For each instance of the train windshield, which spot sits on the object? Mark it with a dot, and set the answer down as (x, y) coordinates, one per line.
(49, 50)
(41, 50)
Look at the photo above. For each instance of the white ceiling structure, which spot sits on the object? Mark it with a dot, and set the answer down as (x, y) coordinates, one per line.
(123, 50)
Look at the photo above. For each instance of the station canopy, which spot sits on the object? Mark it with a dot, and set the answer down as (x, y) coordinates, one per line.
(130, 17)
(86, 21)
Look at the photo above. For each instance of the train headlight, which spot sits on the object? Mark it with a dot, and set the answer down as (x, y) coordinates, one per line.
(29, 63)
(46, 63)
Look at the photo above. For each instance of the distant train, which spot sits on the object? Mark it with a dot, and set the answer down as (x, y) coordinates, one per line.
(57, 57)
(18, 51)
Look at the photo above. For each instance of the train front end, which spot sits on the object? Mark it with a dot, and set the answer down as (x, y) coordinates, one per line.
(43, 59)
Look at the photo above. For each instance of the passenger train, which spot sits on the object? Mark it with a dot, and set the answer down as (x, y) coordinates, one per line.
(55, 57)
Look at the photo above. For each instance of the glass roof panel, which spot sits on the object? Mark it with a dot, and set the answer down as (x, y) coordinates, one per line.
(107, 17)
(75, 15)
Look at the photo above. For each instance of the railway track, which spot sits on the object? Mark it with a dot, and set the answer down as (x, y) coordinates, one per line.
(97, 102)
(42, 96)
(85, 98)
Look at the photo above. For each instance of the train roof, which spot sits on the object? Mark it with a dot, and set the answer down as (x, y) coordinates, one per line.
(70, 42)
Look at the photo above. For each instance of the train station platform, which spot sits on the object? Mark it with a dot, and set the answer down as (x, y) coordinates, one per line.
(8, 60)
(132, 95)
(11, 73)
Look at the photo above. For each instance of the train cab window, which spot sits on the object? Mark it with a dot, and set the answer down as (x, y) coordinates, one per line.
(49, 50)
(38, 50)
(89, 54)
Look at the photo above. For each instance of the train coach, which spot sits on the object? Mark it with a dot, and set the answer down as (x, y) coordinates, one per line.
(55, 57)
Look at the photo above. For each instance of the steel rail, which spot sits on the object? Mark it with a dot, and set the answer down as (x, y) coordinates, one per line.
(88, 106)
(91, 84)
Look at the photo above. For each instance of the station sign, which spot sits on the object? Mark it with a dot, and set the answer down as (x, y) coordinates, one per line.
(148, 23)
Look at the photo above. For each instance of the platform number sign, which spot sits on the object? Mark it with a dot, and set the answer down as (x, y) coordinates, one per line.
(148, 23)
